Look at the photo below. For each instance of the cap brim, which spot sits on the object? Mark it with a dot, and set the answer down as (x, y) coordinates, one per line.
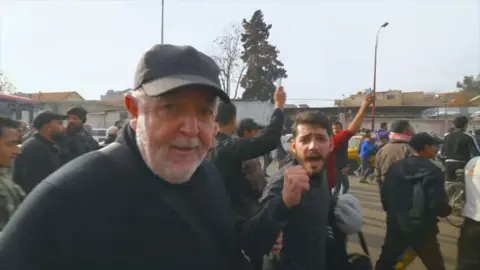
(171, 83)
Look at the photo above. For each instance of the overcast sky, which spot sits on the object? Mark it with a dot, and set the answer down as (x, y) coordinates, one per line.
(91, 46)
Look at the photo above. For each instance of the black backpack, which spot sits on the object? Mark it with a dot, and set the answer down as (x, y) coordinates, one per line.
(412, 201)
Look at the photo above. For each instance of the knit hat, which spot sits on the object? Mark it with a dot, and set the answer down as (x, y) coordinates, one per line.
(348, 214)
(79, 112)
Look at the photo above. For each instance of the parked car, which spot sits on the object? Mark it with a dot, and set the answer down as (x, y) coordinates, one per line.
(99, 134)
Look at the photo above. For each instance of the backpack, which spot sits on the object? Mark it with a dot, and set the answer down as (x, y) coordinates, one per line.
(410, 200)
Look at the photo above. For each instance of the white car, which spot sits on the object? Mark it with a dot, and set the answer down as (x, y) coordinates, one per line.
(99, 134)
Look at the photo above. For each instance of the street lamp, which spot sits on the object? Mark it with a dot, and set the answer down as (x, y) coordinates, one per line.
(375, 75)
(163, 8)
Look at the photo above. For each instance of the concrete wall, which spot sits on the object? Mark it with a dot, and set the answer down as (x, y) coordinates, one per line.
(420, 125)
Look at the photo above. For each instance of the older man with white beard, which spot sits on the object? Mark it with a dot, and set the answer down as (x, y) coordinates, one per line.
(148, 200)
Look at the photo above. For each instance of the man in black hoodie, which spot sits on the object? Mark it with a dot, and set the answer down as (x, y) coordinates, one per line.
(305, 230)
(413, 196)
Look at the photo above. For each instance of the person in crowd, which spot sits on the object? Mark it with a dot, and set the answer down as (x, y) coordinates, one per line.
(119, 124)
(281, 153)
(305, 226)
(383, 141)
(231, 153)
(112, 133)
(459, 148)
(341, 157)
(368, 149)
(476, 135)
(22, 130)
(368, 134)
(397, 149)
(413, 196)
(383, 131)
(253, 168)
(469, 239)
(40, 156)
(342, 138)
(149, 200)
(11, 195)
(78, 140)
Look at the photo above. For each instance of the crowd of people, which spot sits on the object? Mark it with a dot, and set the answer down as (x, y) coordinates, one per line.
(184, 185)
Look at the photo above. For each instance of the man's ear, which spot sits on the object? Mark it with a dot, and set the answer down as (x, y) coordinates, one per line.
(293, 147)
(132, 106)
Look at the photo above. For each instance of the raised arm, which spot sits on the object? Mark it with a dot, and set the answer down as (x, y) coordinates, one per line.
(253, 147)
(342, 138)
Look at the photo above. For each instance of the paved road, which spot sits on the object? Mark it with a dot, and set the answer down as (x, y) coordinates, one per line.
(374, 228)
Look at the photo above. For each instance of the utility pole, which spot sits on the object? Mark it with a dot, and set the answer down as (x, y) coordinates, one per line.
(163, 12)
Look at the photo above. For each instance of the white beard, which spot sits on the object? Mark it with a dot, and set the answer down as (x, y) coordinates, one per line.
(155, 159)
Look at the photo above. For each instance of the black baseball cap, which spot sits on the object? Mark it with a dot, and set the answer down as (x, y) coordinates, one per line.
(166, 68)
(247, 124)
(422, 139)
(46, 117)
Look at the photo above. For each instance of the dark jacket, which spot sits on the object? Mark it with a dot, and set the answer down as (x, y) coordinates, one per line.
(76, 145)
(38, 158)
(305, 232)
(398, 195)
(94, 213)
(460, 146)
(341, 157)
(230, 153)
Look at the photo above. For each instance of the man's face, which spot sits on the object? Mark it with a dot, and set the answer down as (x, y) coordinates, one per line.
(56, 129)
(431, 151)
(9, 149)
(75, 124)
(174, 132)
(311, 146)
(337, 129)
(22, 128)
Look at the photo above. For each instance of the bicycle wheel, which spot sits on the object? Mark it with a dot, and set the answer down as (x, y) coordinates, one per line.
(456, 197)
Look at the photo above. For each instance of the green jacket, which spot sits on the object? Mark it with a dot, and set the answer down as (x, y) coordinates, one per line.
(11, 195)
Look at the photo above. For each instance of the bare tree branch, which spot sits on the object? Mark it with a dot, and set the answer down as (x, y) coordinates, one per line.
(240, 75)
(6, 87)
(227, 56)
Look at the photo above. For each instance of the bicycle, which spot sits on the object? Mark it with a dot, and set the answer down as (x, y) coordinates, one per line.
(456, 198)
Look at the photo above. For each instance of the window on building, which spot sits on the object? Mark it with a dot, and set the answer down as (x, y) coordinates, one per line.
(390, 97)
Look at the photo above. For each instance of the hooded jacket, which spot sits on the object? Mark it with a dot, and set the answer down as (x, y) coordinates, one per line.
(306, 230)
(399, 196)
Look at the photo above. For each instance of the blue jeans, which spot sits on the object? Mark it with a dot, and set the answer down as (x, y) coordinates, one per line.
(342, 180)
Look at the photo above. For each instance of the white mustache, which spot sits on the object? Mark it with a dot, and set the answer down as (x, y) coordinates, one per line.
(186, 143)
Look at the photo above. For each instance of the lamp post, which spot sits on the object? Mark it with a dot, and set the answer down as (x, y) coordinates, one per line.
(163, 9)
(375, 75)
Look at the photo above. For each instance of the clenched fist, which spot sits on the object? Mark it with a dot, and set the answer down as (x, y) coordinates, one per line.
(367, 101)
(296, 181)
